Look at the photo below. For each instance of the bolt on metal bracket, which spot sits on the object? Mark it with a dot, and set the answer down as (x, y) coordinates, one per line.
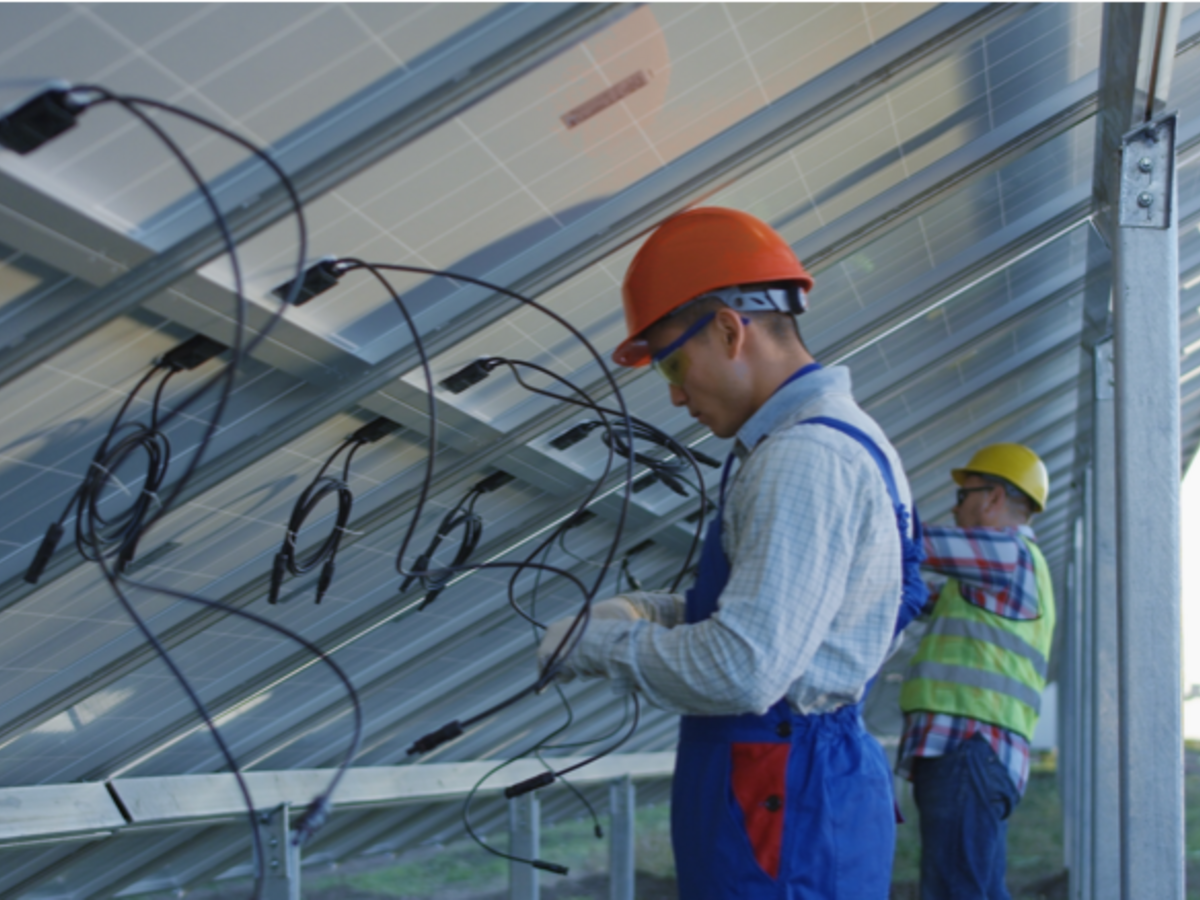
(1146, 172)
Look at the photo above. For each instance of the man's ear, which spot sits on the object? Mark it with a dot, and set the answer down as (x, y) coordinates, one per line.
(731, 331)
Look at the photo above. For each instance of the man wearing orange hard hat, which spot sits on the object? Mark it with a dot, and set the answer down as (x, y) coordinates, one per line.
(779, 792)
(972, 694)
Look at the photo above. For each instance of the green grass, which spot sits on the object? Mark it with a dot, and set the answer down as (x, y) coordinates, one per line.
(462, 869)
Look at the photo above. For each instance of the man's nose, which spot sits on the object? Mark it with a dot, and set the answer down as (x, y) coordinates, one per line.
(678, 395)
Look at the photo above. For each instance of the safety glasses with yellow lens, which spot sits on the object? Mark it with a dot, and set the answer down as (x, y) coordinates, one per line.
(671, 362)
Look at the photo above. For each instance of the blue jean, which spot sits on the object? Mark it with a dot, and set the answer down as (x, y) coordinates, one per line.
(964, 799)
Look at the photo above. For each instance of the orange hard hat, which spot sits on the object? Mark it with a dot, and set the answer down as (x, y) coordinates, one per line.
(694, 252)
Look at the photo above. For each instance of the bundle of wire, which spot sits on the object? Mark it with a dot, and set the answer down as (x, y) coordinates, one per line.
(322, 486)
(461, 515)
(338, 268)
(110, 540)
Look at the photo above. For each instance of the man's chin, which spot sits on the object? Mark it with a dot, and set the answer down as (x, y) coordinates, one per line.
(720, 432)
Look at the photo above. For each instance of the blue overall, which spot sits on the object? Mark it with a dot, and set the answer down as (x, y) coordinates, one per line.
(783, 805)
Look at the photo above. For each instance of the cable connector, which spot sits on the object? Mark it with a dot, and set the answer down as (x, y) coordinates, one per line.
(647, 480)
(671, 482)
(278, 570)
(467, 376)
(493, 482)
(311, 820)
(573, 436)
(434, 739)
(640, 548)
(580, 518)
(325, 579)
(39, 120)
(554, 868)
(374, 430)
(193, 352)
(705, 460)
(544, 779)
(42, 558)
(317, 279)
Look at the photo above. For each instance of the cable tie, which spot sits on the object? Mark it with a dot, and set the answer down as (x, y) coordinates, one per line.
(111, 477)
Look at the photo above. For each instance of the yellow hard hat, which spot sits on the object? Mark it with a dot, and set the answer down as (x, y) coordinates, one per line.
(1016, 464)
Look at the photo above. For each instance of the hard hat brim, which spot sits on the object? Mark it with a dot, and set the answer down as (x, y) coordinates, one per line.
(632, 353)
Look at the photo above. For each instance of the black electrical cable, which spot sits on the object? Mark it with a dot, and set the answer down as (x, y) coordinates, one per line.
(91, 524)
(132, 105)
(535, 750)
(95, 481)
(461, 515)
(322, 486)
(623, 446)
(319, 808)
(455, 728)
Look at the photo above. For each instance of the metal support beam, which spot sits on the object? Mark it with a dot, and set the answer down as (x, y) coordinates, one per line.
(1083, 859)
(1146, 319)
(524, 813)
(282, 881)
(1104, 875)
(1074, 733)
(622, 829)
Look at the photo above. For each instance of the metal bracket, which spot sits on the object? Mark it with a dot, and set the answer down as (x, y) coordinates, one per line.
(282, 880)
(1147, 153)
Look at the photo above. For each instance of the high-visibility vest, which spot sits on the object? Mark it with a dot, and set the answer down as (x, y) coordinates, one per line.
(977, 664)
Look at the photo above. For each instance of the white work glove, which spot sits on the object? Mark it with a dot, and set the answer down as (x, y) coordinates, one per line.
(615, 608)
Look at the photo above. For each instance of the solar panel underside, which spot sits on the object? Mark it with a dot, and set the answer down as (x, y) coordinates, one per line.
(960, 320)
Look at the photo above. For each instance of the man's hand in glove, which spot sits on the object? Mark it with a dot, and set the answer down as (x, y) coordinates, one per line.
(615, 608)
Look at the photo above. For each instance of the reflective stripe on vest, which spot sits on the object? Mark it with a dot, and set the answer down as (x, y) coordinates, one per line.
(989, 681)
(979, 665)
(982, 631)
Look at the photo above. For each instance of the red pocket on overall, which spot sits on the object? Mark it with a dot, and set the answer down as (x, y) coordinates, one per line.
(758, 776)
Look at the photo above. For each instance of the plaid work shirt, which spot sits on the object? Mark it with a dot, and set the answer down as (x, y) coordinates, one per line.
(994, 569)
(814, 585)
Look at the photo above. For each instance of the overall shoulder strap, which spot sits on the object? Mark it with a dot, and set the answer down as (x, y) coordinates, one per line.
(885, 467)
(913, 593)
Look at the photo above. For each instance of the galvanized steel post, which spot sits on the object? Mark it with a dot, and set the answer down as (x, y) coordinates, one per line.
(282, 858)
(621, 834)
(524, 814)
(1146, 358)
(1105, 665)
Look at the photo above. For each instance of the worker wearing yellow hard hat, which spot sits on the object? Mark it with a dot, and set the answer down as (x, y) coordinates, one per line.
(778, 791)
(972, 694)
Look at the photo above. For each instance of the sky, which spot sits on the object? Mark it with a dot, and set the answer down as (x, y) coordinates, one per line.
(1190, 566)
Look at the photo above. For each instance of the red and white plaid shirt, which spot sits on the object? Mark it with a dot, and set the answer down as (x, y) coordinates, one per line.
(994, 569)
